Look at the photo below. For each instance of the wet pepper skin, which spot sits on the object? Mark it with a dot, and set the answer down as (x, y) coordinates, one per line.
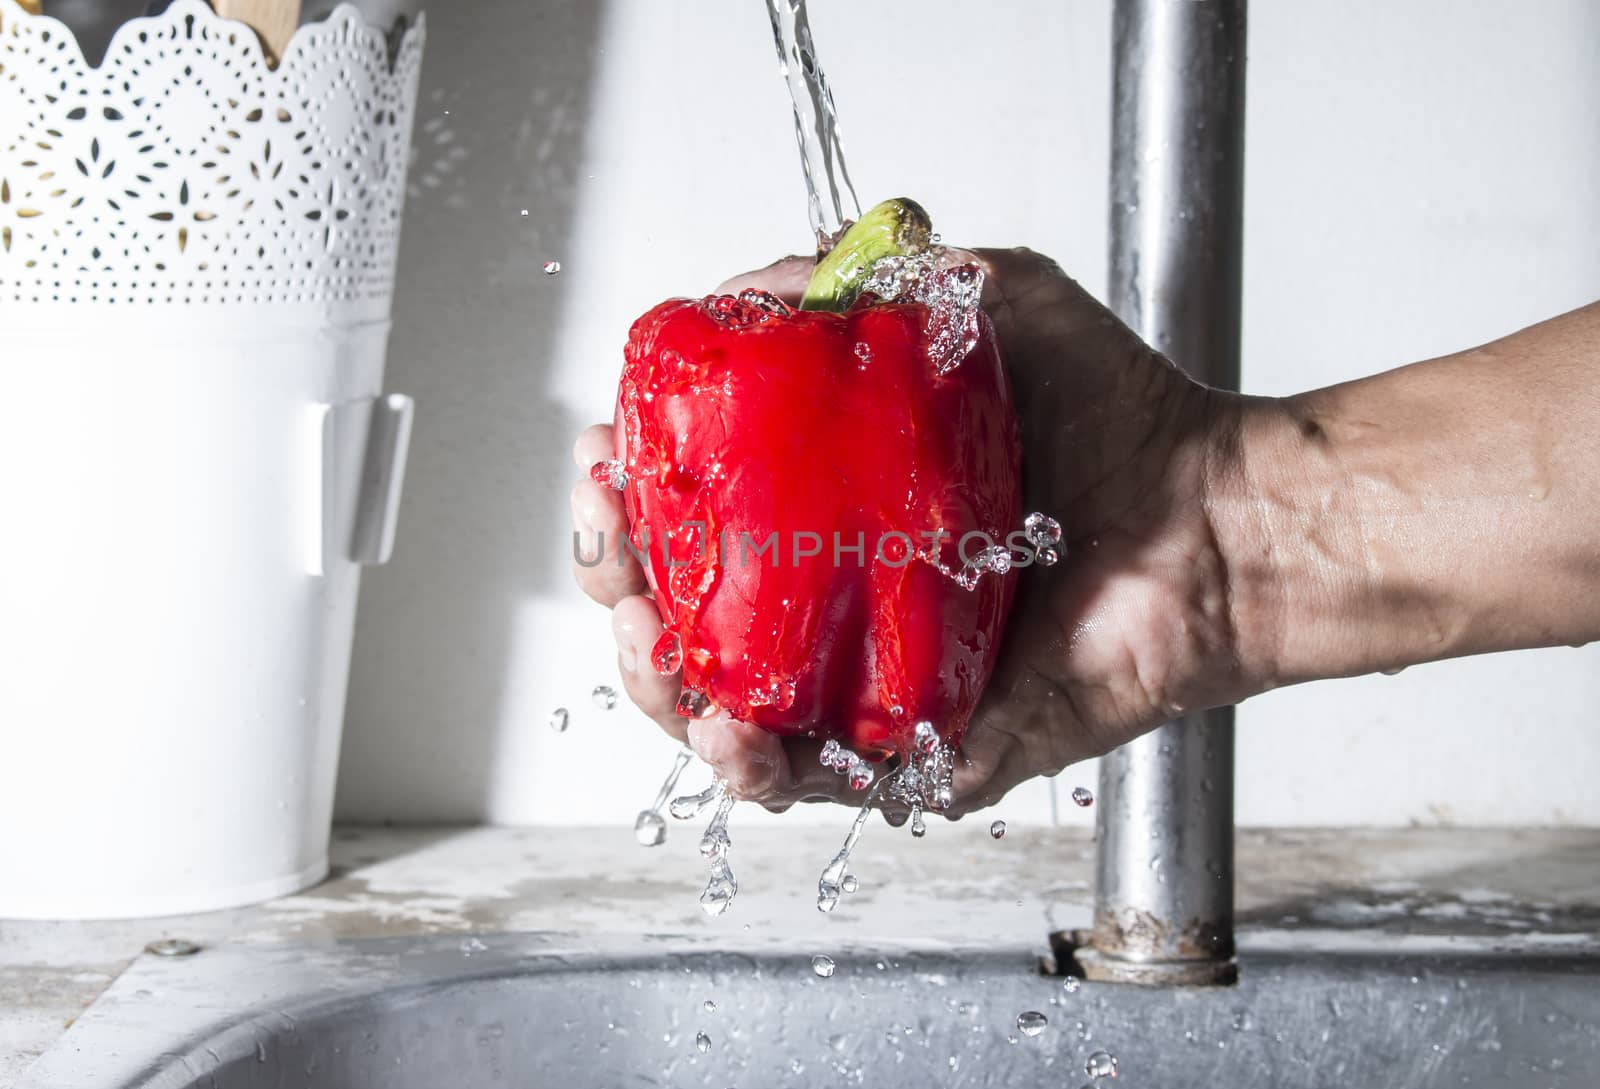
(747, 419)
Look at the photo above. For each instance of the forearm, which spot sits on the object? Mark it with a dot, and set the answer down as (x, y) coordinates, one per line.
(1446, 508)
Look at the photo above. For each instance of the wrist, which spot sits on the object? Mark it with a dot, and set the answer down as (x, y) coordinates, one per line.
(1258, 474)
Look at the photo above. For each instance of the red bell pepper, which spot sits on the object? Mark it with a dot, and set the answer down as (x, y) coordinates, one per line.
(821, 499)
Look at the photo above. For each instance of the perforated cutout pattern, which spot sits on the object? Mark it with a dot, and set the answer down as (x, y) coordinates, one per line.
(183, 170)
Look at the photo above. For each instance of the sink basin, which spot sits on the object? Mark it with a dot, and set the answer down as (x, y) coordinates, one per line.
(522, 1010)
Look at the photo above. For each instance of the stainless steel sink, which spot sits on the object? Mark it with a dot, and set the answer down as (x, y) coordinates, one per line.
(521, 1010)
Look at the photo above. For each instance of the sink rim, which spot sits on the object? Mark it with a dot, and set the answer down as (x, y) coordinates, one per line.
(163, 1015)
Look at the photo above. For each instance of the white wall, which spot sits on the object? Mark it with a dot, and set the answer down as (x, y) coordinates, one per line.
(1420, 177)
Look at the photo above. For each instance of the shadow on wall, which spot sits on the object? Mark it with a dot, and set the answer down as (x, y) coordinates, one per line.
(495, 180)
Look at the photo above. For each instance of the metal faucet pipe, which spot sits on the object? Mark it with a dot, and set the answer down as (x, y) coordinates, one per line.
(1164, 895)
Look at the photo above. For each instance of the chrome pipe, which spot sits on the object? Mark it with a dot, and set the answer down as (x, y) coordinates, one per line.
(1164, 894)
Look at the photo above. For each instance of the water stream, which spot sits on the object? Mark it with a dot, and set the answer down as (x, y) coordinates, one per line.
(831, 195)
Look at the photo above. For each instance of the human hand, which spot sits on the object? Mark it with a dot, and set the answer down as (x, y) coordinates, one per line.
(1131, 629)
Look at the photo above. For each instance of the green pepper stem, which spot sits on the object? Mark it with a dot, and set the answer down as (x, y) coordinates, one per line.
(896, 228)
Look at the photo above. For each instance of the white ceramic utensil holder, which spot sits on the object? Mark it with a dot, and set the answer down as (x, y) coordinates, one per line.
(196, 269)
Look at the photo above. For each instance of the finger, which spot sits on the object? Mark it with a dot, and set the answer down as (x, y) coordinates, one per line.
(637, 625)
(607, 572)
(595, 443)
(785, 278)
(741, 754)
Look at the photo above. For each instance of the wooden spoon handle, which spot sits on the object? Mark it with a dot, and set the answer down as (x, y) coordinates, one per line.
(274, 21)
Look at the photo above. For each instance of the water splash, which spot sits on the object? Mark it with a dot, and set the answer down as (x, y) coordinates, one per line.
(648, 827)
(1043, 535)
(830, 886)
(722, 886)
(925, 777)
(830, 195)
(749, 307)
(949, 285)
(995, 559)
(692, 805)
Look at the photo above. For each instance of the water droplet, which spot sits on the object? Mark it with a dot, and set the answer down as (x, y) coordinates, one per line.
(1011, 1038)
(693, 704)
(524, 211)
(609, 473)
(552, 267)
(667, 655)
(702, 1042)
(720, 889)
(471, 946)
(997, 829)
(1071, 984)
(850, 883)
(1041, 530)
(604, 696)
(918, 828)
(864, 353)
(822, 965)
(1102, 1064)
(1242, 1021)
(1082, 797)
(861, 775)
(1031, 1023)
(709, 1006)
(925, 737)
(649, 829)
(775, 692)
(559, 718)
